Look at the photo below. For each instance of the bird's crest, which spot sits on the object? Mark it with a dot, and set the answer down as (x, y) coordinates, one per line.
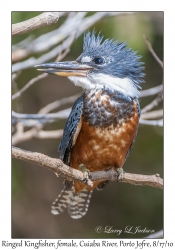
(127, 62)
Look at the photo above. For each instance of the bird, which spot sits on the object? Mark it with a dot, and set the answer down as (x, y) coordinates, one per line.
(103, 123)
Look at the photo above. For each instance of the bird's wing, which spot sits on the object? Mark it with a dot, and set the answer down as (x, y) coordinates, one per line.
(138, 107)
(71, 130)
(139, 113)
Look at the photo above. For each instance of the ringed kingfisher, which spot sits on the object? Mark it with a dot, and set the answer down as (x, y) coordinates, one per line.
(103, 122)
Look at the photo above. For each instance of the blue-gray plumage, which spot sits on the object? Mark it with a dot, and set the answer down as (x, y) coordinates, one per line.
(103, 122)
(69, 131)
(118, 60)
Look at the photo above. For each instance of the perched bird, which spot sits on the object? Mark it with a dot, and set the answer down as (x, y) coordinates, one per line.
(103, 122)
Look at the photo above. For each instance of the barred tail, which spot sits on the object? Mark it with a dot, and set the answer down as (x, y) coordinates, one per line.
(77, 203)
(61, 203)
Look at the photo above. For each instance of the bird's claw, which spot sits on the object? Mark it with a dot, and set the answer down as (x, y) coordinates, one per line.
(120, 173)
(85, 171)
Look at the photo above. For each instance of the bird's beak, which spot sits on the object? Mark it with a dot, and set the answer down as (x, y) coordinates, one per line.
(65, 68)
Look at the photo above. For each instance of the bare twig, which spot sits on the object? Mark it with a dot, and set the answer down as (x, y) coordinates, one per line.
(20, 135)
(152, 122)
(19, 54)
(53, 134)
(154, 103)
(43, 117)
(37, 78)
(62, 55)
(31, 82)
(44, 19)
(71, 24)
(58, 103)
(32, 61)
(34, 119)
(58, 167)
(152, 51)
(35, 132)
(77, 25)
(67, 50)
(23, 43)
(45, 110)
(152, 115)
(151, 91)
(19, 50)
(47, 41)
(15, 75)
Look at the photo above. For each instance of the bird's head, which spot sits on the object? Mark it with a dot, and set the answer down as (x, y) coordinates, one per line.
(108, 64)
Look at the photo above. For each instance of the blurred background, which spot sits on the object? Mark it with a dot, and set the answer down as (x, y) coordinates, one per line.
(34, 188)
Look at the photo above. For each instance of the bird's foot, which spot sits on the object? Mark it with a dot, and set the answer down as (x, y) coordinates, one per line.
(102, 185)
(85, 171)
(120, 173)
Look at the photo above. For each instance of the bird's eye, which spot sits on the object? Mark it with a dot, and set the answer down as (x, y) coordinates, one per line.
(99, 60)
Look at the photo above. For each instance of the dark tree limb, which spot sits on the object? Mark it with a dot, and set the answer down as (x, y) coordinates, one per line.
(59, 168)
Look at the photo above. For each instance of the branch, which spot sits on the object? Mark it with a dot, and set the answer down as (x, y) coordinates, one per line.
(32, 61)
(73, 22)
(47, 41)
(23, 43)
(35, 132)
(19, 50)
(152, 115)
(151, 91)
(152, 122)
(42, 118)
(154, 103)
(152, 51)
(30, 83)
(15, 75)
(59, 168)
(44, 19)
(39, 77)
(30, 120)
(56, 165)
(66, 32)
